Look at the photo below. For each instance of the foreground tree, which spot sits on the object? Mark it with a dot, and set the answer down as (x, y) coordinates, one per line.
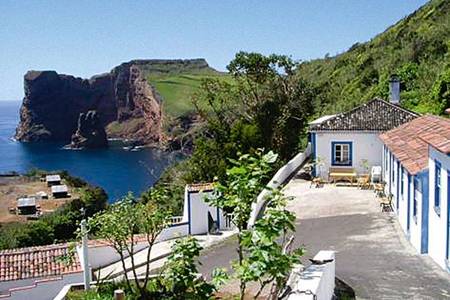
(263, 251)
(121, 223)
(180, 278)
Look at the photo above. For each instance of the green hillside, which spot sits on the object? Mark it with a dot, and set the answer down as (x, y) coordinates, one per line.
(416, 49)
(178, 88)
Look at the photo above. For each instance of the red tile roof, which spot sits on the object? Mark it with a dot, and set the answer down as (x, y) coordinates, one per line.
(43, 261)
(410, 142)
(33, 262)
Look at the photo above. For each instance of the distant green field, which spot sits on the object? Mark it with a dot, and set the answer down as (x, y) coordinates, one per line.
(177, 90)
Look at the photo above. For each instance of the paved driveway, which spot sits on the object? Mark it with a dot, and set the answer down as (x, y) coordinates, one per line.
(373, 256)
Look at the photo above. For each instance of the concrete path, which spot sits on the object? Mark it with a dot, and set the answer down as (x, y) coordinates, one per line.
(158, 257)
(373, 256)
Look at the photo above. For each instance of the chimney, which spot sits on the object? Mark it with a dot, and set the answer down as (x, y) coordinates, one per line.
(394, 89)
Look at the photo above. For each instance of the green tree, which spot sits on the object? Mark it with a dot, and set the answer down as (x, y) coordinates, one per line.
(120, 224)
(259, 254)
(268, 244)
(180, 273)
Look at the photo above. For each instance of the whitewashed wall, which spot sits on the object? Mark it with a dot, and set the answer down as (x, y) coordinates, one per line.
(365, 146)
(278, 179)
(317, 282)
(438, 228)
(403, 201)
(414, 234)
(174, 231)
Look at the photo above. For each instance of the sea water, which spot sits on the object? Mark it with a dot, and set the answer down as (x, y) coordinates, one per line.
(114, 169)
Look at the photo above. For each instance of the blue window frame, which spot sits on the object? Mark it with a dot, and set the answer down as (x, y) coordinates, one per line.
(437, 187)
(341, 153)
(416, 197)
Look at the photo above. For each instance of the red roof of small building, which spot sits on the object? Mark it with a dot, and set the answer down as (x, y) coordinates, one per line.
(200, 187)
(44, 261)
(33, 262)
(409, 142)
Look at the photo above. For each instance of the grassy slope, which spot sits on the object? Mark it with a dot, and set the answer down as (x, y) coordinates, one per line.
(416, 48)
(177, 90)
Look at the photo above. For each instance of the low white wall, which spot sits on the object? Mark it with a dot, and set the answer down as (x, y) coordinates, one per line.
(315, 282)
(278, 179)
(174, 231)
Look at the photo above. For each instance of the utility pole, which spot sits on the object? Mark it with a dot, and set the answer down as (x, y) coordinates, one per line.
(85, 259)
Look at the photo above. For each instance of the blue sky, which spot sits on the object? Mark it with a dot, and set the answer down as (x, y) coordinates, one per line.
(84, 38)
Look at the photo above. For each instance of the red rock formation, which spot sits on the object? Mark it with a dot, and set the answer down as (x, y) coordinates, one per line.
(123, 98)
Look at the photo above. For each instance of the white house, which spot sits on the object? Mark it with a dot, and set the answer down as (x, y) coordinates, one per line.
(349, 139)
(201, 216)
(415, 168)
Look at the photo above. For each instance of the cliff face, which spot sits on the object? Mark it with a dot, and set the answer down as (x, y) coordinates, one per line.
(90, 132)
(123, 100)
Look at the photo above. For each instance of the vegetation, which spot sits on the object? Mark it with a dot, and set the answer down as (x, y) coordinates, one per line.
(262, 257)
(59, 226)
(120, 223)
(178, 89)
(416, 49)
(264, 254)
(265, 105)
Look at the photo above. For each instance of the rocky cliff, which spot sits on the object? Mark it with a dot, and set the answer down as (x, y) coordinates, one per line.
(90, 132)
(126, 105)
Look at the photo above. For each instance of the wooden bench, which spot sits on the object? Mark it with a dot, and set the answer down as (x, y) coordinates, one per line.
(338, 173)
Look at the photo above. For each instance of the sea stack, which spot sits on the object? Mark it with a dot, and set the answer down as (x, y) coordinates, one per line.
(90, 132)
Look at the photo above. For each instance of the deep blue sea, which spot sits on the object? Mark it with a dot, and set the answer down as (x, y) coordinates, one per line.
(114, 169)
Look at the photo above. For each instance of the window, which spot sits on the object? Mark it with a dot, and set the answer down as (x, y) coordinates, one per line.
(341, 153)
(416, 197)
(437, 188)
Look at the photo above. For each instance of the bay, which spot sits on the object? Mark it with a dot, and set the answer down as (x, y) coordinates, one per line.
(114, 169)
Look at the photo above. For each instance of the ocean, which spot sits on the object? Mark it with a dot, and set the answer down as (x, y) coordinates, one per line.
(114, 169)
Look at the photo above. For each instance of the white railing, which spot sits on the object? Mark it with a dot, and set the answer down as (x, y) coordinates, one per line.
(278, 179)
(176, 219)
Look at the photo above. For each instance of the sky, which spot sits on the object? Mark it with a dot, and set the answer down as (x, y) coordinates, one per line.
(83, 38)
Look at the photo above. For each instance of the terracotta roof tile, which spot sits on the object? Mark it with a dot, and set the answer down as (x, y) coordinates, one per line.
(43, 261)
(375, 115)
(32, 262)
(410, 142)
